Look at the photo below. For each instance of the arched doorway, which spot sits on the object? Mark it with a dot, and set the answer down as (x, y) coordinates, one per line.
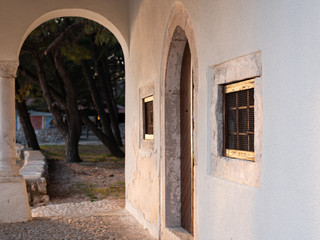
(179, 121)
(179, 152)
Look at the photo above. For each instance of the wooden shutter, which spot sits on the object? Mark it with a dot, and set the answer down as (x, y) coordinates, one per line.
(239, 120)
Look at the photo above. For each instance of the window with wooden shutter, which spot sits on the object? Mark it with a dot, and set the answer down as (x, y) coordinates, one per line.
(148, 117)
(239, 120)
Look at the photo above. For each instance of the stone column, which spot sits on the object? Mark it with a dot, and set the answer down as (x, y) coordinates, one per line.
(14, 206)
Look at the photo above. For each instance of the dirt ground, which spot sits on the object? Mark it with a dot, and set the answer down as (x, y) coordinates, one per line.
(77, 182)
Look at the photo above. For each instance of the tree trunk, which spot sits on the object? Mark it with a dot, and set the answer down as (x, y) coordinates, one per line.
(69, 125)
(105, 82)
(72, 114)
(71, 148)
(28, 129)
(107, 137)
(111, 145)
(51, 102)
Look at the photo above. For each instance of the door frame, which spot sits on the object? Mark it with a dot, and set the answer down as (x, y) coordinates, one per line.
(179, 31)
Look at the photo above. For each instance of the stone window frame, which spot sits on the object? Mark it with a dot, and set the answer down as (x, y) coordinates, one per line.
(237, 170)
(144, 92)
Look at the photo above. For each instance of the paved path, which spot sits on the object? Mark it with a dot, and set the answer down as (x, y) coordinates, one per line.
(86, 220)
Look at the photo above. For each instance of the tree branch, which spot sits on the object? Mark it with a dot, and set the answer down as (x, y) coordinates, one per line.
(52, 105)
(32, 78)
(62, 37)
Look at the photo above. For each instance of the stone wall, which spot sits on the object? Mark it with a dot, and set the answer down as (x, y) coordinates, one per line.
(43, 135)
(53, 135)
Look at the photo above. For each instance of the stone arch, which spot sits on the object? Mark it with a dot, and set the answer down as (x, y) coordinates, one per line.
(179, 33)
(78, 13)
(12, 184)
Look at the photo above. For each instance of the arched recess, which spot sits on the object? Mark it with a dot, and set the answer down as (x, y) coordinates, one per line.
(82, 13)
(93, 16)
(178, 37)
(78, 13)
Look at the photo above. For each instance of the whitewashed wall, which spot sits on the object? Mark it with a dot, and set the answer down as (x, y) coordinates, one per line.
(286, 206)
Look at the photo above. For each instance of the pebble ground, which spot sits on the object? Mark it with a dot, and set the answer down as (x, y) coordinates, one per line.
(87, 220)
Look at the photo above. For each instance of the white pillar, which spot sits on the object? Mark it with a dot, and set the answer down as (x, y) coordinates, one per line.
(14, 206)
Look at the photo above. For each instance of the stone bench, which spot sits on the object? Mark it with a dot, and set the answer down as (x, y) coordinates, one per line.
(35, 173)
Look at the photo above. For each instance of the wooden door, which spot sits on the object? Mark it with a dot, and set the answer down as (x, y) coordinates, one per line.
(186, 142)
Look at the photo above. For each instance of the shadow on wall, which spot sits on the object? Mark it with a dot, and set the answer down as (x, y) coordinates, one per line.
(134, 12)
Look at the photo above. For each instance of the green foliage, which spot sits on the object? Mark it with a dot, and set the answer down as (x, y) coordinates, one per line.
(88, 153)
(54, 151)
(105, 37)
(76, 53)
(95, 193)
(90, 190)
(75, 40)
(23, 92)
(121, 100)
(117, 190)
(77, 45)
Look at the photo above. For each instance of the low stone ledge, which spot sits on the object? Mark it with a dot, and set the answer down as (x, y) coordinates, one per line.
(35, 173)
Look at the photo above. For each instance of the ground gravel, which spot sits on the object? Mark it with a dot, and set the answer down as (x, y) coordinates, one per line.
(87, 220)
(81, 209)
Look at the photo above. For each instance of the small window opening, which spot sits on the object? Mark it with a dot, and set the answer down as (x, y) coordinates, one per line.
(148, 117)
(239, 120)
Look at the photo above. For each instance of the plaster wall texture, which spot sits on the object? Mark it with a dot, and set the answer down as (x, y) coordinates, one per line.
(286, 205)
(147, 22)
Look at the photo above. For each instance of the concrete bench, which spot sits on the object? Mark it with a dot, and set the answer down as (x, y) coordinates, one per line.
(35, 173)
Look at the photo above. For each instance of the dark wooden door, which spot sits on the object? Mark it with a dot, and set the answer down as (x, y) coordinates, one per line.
(186, 142)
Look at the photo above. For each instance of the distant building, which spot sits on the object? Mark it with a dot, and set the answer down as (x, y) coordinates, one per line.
(43, 124)
(39, 120)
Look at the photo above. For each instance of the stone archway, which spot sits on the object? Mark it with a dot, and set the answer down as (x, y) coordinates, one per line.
(13, 198)
(179, 34)
(84, 14)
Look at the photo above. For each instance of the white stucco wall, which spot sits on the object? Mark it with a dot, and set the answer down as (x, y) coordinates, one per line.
(286, 205)
(147, 26)
(287, 33)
